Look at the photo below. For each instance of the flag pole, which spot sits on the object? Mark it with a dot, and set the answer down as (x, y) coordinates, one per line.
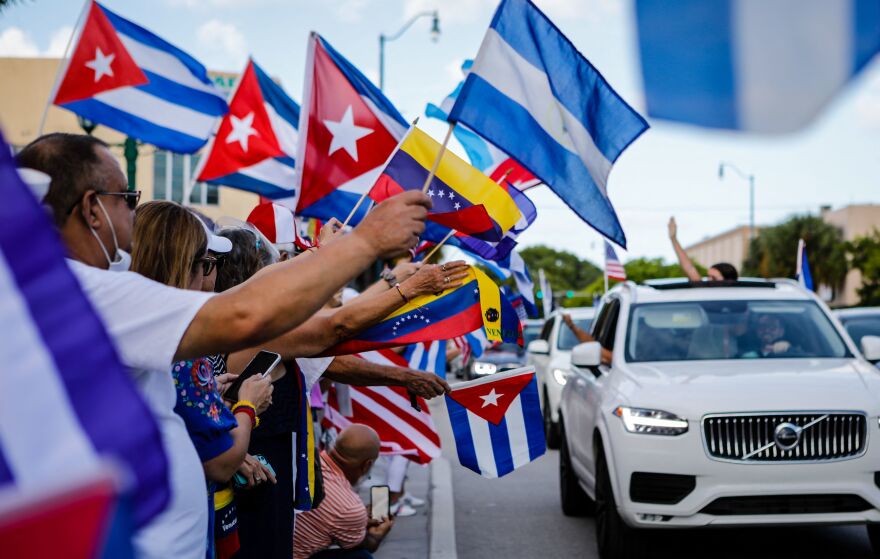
(439, 157)
(62, 66)
(367, 191)
(605, 274)
(438, 245)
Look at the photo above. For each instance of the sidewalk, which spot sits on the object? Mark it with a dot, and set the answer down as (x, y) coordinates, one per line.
(410, 537)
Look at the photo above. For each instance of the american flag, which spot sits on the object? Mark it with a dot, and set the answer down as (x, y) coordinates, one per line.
(613, 267)
(387, 409)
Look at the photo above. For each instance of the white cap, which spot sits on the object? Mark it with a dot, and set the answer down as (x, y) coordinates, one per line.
(216, 243)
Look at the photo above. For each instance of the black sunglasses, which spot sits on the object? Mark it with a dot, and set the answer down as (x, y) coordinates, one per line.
(132, 197)
(209, 263)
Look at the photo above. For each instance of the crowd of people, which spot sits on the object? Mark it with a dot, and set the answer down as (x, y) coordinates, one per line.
(189, 303)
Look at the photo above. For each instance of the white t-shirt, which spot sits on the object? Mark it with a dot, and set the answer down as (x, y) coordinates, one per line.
(146, 321)
(312, 369)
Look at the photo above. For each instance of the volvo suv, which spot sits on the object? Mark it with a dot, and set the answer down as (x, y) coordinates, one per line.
(725, 403)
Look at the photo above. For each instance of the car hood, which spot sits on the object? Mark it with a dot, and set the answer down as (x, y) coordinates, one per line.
(694, 388)
(501, 357)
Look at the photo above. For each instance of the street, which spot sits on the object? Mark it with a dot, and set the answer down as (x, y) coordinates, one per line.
(519, 516)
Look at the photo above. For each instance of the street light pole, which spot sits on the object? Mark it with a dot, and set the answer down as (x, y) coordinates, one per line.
(749, 177)
(435, 35)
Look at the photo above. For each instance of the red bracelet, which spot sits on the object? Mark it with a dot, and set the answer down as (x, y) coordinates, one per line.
(249, 411)
(399, 290)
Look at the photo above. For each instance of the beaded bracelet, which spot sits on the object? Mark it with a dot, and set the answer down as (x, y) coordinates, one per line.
(399, 290)
(249, 409)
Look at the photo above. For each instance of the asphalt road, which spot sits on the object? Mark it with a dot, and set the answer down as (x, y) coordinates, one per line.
(519, 516)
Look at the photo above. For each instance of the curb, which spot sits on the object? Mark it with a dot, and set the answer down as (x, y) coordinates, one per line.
(442, 529)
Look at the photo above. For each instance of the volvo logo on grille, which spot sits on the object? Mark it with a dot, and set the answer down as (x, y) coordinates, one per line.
(787, 436)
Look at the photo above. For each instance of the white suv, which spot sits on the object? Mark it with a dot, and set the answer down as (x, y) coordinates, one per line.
(726, 403)
(551, 356)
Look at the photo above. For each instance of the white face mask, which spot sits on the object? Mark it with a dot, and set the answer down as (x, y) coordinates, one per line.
(122, 260)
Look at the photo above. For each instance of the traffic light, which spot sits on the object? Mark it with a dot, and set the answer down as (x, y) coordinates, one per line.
(569, 294)
(539, 294)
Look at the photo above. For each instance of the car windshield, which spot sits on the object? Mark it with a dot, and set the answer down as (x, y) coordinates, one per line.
(731, 330)
(860, 326)
(567, 339)
(531, 333)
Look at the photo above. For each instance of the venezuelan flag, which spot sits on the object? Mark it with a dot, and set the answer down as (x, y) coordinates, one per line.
(454, 312)
(309, 484)
(464, 198)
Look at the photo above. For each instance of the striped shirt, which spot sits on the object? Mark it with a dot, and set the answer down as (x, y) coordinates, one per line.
(340, 519)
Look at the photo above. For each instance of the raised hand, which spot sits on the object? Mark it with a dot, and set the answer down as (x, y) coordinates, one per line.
(394, 226)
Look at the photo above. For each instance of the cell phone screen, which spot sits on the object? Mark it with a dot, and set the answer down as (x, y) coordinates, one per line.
(261, 364)
(380, 502)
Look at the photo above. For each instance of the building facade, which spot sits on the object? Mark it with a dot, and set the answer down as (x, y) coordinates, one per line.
(160, 175)
(731, 246)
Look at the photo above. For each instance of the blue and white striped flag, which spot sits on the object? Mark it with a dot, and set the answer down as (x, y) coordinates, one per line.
(129, 79)
(758, 65)
(427, 356)
(496, 422)
(804, 277)
(529, 81)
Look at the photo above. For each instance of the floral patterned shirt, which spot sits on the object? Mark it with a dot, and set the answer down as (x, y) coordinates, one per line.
(207, 419)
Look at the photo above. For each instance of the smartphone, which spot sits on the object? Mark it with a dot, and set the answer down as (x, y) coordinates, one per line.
(261, 364)
(380, 502)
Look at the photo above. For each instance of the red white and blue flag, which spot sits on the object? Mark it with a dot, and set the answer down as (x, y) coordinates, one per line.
(66, 403)
(348, 128)
(496, 422)
(256, 142)
(613, 268)
(129, 79)
(387, 409)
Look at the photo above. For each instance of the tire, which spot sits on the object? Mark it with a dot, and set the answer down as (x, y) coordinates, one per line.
(874, 537)
(575, 502)
(614, 538)
(551, 429)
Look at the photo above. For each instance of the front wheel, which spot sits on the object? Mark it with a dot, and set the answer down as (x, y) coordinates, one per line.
(575, 502)
(874, 537)
(551, 429)
(615, 539)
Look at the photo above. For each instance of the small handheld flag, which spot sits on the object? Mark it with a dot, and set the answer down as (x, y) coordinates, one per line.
(613, 268)
(496, 422)
(804, 277)
(129, 79)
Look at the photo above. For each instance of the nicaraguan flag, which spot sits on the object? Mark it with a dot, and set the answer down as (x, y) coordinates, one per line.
(804, 277)
(529, 81)
(129, 79)
(67, 405)
(496, 422)
(763, 66)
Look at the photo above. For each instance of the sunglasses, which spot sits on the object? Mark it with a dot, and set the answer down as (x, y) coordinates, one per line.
(132, 197)
(208, 264)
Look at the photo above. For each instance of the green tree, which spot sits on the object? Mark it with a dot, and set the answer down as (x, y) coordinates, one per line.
(564, 270)
(865, 257)
(773, 253)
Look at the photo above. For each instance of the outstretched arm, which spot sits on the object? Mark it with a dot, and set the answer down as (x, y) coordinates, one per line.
(683, 259)
(360, 372)
(583, 337)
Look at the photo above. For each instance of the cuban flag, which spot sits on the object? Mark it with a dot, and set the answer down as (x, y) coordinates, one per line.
(613, 268)
(348, 129)
(529, 81)
(125, 77)
(67, 405)
(427, 356)
(761, 66)
(496, 422)
(255, 143)
(483, 155)
(804, 277)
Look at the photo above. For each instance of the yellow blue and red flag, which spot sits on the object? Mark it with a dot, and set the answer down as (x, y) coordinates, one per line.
(478, 302)
(464, 198)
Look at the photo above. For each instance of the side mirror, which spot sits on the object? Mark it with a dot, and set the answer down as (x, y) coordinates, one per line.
(871, 348)
(586, 355)
(540, 347)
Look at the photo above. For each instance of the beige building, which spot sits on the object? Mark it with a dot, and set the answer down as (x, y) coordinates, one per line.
(24, 93)
(733, 246)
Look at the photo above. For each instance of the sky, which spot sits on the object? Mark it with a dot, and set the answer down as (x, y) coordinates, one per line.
(671, 170)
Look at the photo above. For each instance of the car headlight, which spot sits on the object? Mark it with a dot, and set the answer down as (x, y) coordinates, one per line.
(481, 368)
(651, 422)
(561, 376)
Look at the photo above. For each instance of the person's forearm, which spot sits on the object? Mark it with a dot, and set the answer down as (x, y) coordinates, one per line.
(276, 301)
(221, 468)
(374, 289)
(685, 261)
(360, 372)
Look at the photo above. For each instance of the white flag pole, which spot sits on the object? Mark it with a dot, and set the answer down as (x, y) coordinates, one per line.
(439, 157)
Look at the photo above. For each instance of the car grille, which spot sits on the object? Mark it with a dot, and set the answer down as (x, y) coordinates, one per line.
(751, 438)
(786, 504)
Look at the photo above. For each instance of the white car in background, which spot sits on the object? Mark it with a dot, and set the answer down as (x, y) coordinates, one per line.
(725, 403)
(550, 353)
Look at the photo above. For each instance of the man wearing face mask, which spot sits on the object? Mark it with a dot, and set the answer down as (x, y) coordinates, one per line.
(154, 325)
(341, 519)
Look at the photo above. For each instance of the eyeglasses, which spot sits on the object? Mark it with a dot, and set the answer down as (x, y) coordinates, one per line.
(132, 197)
(208, 264)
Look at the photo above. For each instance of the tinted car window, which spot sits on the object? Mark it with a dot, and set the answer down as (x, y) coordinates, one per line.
(566, 339)
(860, 326)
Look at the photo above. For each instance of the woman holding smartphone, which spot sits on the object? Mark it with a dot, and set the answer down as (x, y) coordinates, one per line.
(188, 258)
